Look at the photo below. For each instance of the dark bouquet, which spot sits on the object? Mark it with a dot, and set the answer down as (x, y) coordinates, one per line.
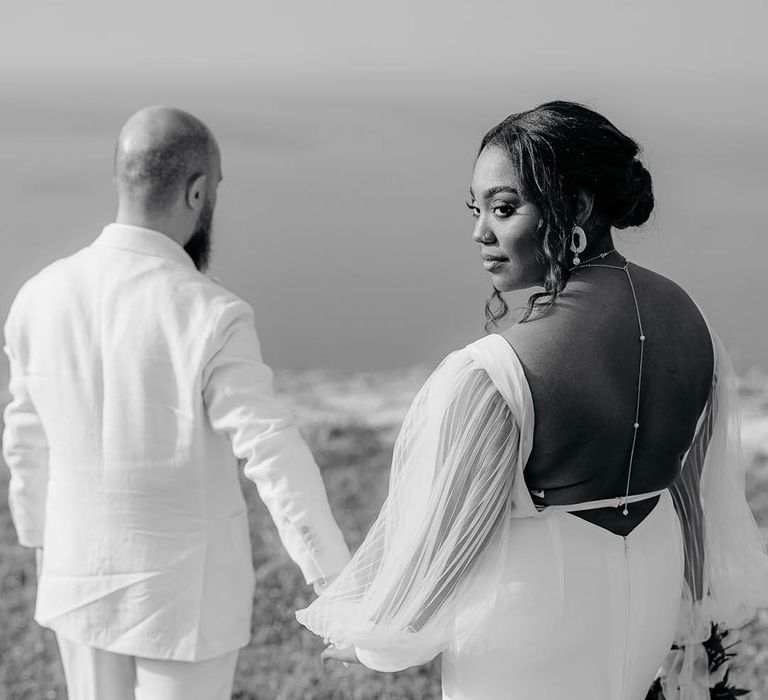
(718, 654)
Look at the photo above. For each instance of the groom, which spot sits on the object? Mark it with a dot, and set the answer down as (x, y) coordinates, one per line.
(135, 383)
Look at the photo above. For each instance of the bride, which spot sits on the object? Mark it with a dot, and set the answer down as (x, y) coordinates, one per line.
(567, 496)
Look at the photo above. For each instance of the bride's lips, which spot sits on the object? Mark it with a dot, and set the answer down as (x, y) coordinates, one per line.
(493, 262)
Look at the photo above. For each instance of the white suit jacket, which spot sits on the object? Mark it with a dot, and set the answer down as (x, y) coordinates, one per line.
(135, 382)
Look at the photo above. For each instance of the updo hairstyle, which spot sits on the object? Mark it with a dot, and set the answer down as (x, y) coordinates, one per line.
(557, 149)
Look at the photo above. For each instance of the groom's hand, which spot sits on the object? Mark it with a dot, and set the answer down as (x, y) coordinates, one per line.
(347, 655)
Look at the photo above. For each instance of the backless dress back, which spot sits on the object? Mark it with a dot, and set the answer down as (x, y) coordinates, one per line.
(536, 604)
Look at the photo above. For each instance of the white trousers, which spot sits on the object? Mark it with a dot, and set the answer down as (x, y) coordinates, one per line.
(95, 674)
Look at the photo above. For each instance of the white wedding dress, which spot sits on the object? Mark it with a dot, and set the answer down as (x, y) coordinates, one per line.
(527, 604)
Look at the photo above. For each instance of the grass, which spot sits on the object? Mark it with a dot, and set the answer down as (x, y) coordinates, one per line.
(352, 444)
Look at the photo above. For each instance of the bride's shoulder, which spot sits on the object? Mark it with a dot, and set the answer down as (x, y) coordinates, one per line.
(491, 355)
(668, 297)
(656, 283)
(540, 331)
(471, 354)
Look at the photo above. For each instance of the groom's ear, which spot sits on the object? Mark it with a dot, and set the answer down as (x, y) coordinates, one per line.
(196, 189)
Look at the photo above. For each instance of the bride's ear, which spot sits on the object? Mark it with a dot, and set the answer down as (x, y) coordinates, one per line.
(585, 200)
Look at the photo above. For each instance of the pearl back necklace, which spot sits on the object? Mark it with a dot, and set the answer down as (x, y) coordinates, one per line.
(636, 425)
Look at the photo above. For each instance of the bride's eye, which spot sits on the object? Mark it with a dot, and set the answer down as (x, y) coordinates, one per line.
(473, 208)
(503, 210)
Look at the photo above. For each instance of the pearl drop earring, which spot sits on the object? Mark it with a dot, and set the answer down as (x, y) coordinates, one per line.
(578, 243)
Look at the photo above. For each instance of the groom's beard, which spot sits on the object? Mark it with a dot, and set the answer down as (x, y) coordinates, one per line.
(198, 247)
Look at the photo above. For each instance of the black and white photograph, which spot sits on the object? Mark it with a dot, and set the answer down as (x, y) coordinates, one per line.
(413, 350)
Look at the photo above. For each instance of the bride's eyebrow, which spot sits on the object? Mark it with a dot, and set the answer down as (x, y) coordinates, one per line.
(498, 190)
(494, 191)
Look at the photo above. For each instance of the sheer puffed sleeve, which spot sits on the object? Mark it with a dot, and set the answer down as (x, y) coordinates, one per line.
(726, 565)
(399, 601)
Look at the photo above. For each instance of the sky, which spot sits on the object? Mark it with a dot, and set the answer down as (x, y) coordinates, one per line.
(656, 38)
(348, 132)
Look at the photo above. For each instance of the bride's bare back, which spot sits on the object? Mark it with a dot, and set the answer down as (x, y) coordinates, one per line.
(581, 362)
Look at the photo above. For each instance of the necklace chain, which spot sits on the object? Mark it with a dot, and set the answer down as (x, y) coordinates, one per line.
(636, 424)
(596, 257)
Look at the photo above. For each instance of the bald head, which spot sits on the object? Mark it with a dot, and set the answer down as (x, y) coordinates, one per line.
(160, 152)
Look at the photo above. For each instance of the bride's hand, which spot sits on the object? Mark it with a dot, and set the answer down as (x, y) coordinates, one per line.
(347, 655)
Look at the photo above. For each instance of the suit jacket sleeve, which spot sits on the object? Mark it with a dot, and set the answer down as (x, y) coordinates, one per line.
(240, 401)
(25, 449)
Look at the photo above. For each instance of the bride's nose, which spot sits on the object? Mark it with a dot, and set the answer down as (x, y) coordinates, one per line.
(482, 232)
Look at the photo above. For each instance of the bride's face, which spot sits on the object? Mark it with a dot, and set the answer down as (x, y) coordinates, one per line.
(505, 224)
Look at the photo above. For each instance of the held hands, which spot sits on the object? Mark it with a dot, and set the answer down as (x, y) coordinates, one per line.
(347, 655)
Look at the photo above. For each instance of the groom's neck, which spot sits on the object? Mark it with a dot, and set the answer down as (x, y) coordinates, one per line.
(161, 222)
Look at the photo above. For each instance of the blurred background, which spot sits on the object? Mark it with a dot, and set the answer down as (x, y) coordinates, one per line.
(348, 132)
